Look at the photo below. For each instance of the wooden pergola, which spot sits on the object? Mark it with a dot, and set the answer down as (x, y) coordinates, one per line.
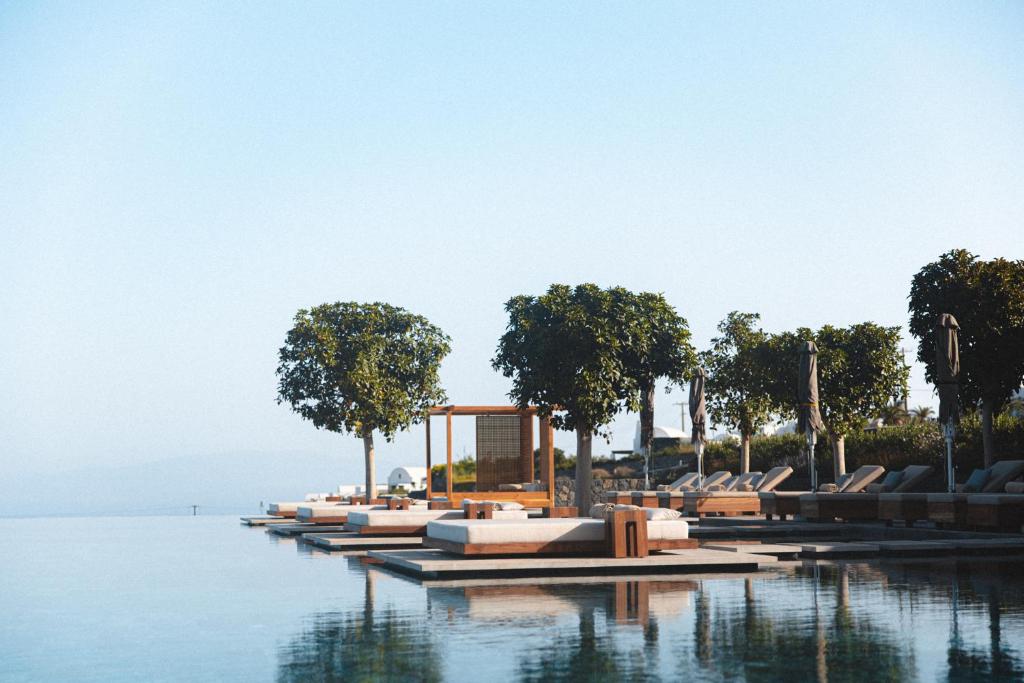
(545, 498)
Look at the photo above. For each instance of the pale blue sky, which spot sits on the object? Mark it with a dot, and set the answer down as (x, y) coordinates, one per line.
(176, 181)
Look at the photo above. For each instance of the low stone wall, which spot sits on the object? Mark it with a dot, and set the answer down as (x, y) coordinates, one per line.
(565, 488)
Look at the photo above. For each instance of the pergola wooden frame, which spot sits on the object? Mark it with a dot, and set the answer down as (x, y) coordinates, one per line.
(543, 499)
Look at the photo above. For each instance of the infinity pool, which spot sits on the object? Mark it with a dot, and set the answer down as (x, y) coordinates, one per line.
(204, 599)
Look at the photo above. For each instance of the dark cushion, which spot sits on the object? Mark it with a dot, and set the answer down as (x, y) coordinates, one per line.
(976, 481)
(891, 481)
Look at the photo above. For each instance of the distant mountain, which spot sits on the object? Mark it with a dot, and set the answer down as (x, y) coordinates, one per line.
(227, 483)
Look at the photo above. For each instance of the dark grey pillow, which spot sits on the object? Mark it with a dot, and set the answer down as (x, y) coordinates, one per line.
(976, 482)
(891, 481)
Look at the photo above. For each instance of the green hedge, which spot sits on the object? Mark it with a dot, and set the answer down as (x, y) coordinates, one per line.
(892, 447)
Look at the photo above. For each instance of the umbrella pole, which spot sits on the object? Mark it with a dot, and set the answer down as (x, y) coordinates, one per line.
(810, 460)
(698, 448)
(950, 431)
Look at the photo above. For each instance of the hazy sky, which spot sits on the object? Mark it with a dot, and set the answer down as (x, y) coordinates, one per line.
(175, 181)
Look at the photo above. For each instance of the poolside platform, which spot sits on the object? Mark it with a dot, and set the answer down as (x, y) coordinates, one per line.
(298, 529)
(349, 541)
(264, 520)
(438, 564)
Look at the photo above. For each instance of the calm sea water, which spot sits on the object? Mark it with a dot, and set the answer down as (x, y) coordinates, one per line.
(203, 599)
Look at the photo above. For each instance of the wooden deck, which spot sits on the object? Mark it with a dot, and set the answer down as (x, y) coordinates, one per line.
(436, 564)
(294, 529)
(264, 520)
(348, 541)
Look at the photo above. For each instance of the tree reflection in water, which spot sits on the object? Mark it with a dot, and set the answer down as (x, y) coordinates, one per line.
(594, 654)
(364, 646)
(756, 643)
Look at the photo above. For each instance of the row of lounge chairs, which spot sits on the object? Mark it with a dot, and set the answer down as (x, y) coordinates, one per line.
(991, 499)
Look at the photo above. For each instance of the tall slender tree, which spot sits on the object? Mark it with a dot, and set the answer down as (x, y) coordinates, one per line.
(360, 369)
(987, 299)
(738, 383)
(563, 351)
(656, 345)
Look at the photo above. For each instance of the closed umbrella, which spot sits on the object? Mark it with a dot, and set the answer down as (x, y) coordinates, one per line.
(947, 381)
(698, 420)
(808, 416)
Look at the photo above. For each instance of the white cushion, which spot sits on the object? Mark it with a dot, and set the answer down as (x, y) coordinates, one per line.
(418, 517)
(284, 507)
(314, 511)
(542, 530)
(662, 513)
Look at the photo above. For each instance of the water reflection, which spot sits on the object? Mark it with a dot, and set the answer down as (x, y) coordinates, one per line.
(367, 645)
(844, 622)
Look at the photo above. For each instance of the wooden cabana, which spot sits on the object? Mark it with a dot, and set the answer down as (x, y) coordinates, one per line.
(504, 455)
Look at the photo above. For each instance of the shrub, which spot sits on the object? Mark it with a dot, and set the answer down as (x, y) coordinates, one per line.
(599, 473)
(624, 471)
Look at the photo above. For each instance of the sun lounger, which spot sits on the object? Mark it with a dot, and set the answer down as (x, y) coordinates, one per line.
(411, 522)
(898, 498)
(848, 502)
(289, 509)
(622, 533)
(950, 509)
(688, 480)
(660, 497)
(740, 500)
(331, 514)
(674, 500)
(1001, 512)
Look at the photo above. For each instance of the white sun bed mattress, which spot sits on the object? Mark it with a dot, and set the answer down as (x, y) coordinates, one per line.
(373, 518)
(333, 510)
(542, 530)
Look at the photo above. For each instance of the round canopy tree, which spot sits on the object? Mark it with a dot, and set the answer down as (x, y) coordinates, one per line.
(362, 368)
(860, 370)
(987, 299)
(563, 351)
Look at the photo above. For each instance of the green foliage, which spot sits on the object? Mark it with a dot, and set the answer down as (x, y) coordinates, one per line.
(916, 443)
(359, 368)
(463, 469)
(738, 380)
(565, 349)
(562, 461)
(656, 344)
(860, 370)
(987, 299)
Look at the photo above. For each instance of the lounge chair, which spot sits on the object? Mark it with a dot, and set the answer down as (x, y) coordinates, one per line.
(743, 498)
(950, 509)
(290, 509)
(623, 532)
(899, 496)
(1001, 512)
(338, 512)
(673, 500)
(687, 482)
(414, 522)
(848, 501)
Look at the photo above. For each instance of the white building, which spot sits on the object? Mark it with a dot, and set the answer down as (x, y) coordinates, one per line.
(409, 478)
(664, 437)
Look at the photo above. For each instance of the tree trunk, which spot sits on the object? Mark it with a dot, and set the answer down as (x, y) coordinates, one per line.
(584, 473)
(838, 456)
(744, 453)
(647, 426)
(986, 432)
(371, 473)
(647, 417)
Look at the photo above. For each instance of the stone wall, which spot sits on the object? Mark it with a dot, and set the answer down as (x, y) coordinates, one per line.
(565, 488)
